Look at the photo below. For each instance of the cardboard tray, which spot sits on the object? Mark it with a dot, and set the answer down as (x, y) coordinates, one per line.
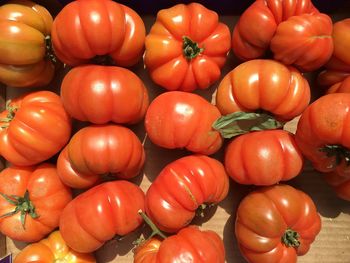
(332, 244)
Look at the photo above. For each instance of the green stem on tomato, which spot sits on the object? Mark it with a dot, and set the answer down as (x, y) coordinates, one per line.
(11, 112)
(291, 238)
(155, 229)
(339, 152)
(190, 48)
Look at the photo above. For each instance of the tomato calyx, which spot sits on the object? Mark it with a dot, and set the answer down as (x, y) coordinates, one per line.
(11, 112)
(202, 209)
(190, 48)
(338, 151)
(50, 54)
(103, 60)
(291, 238)
(238, 123)
(23, 205)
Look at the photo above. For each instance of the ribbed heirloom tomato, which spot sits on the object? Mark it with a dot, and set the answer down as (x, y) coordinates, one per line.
(99, 150)
(52, 249)
(86, 29)
(340, 181)
(118, 94)
(186, 47)
(276, 224)
(182, 187)
(190, 244)
(32, 199)
(24, 47)
(34, 127)
(100, 213)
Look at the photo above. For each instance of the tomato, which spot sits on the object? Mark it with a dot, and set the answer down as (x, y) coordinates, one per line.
(31, 201)
(100, 213)
(186, 47)
(52, 249)
(34, 127)
(264, 85)
(340, 181)
(341, 39)
(190, 244)
(294, 30)
(263, 158)
(323, 133)
(98, 150)
(182, 187)
(105, 28)
(276, 224)
(119, 95)
(24, 26)
(178, 119)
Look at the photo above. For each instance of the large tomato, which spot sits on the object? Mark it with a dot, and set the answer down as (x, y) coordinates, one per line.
(182, 187)
(276, 224)
(24, 57)
(186, 47)
(264, 85)
(52, 249)
(87, 29)
(340, 181)
(323, 133)
(263, 158)
(177, 119)
(118, 94)
(190, 244)
(294, 30)
(32, 199)
(34, 127)
(100, 213)
(98, 150)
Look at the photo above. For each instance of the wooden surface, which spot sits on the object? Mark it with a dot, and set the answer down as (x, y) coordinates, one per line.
(331, 246)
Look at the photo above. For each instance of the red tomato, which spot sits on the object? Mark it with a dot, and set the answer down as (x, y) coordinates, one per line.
(31, 201)
(182, 187)
(295, 38)
(52, 249)
(264, 85)
(340, 181)
(190, 244)
(34, 127)
(24, 56)
(100, 213)
(186, 48)
(276, 224)
(177, 119)
(263, 158)
(104, 28)
(98, 150)
(118, 94)
(323, 133)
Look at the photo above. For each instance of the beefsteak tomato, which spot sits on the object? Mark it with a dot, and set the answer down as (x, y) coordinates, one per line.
(182, 187)
(100, 213)
(52, 249)
(32, 199)
(98, 150)
(263, 158)
(24, 44)
(276, 224)
(34, 127)
(186, 48)
(85, 29)
(340, 181)
(118, 95)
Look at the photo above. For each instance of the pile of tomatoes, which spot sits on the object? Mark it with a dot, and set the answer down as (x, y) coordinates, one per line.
(71, 154)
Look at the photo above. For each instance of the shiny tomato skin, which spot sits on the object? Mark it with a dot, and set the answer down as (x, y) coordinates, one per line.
(100, 213)
(118, 94)
(190, 244)
(47, 193)
(38, 130)
(164, 54)
(105, 28)
(23, 28)
(341, 39)
(263, 158)
(324, 122)
(178, 119)
(52, 249)
(181, 187)
(263, 217)
(264, 85)
(98, 150)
